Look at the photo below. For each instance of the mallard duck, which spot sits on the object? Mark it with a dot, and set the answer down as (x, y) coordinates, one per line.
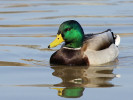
(83, 49)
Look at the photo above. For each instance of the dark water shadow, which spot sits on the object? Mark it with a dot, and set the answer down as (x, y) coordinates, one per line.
(84, 76)
(76, 79)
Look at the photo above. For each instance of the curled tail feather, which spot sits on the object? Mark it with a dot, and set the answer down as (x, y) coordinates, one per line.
(116, 38)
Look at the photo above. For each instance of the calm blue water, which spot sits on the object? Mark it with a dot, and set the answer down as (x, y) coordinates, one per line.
(28, 26)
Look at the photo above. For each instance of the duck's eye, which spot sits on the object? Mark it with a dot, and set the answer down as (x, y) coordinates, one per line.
(68, 29)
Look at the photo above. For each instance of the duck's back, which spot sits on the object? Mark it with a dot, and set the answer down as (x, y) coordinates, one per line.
(101, 47)
(99, 41)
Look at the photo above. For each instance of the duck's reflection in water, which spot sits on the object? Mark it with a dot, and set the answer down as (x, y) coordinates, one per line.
(75, 79)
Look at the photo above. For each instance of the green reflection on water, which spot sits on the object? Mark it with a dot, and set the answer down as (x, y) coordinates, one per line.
(76, 79)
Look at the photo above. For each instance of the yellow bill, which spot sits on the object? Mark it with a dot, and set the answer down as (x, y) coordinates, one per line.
(60, 90)
(59, 39)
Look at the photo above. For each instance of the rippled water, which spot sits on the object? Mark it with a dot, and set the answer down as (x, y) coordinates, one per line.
(28, 26)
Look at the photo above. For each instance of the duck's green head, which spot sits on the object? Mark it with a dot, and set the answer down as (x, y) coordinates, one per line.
(71, 33)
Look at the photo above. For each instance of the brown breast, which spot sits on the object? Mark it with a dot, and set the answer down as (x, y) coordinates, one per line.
(69, 57)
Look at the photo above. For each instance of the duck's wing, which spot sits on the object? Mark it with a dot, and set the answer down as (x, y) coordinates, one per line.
(100, 41)
(102, 47)
(102, 56)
